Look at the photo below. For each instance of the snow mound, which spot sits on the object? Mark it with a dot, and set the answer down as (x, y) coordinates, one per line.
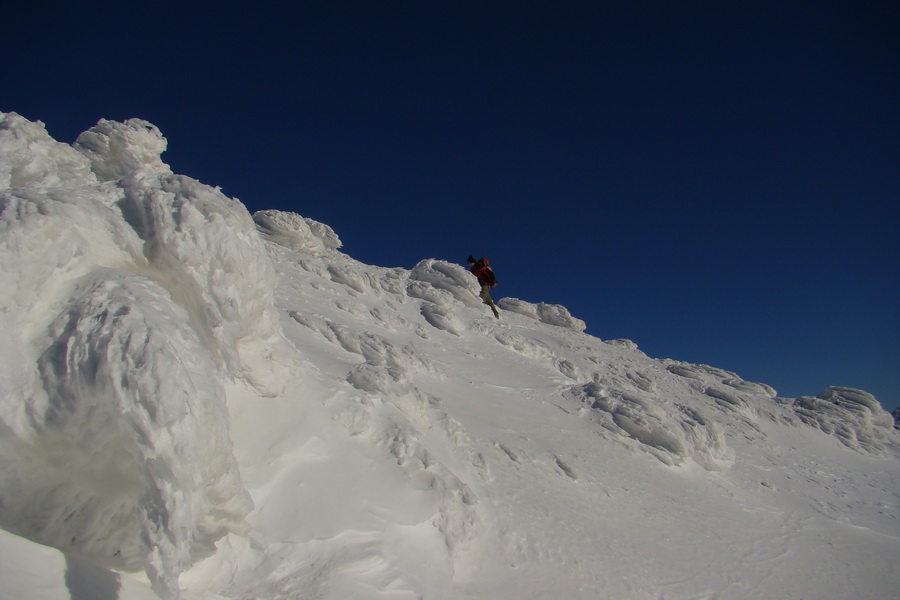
(295, 232)
(855, 417)
(646, 404)
(117, 150)
(441, 282)
(671, 431)
(444, 288)
(552, 314)
(31, 158)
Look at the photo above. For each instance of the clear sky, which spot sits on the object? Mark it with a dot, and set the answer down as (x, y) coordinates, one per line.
(717, 181)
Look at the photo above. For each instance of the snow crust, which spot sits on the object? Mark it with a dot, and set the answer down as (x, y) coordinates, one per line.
(198, 403)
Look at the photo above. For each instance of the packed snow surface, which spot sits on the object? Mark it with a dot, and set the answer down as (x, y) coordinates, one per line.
(205, 404)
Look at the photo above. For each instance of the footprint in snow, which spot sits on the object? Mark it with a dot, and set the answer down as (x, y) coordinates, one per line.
(565, 468)
(509, 453)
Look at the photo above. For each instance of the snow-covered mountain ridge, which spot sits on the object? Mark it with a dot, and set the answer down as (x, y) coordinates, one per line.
(233, 406)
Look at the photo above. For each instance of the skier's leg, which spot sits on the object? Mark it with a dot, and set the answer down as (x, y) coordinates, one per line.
(486, 296)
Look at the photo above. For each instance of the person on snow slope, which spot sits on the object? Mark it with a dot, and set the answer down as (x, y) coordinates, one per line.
(482, 271)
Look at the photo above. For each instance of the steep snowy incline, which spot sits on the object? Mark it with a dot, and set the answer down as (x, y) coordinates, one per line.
(565, 444)
(238, 409)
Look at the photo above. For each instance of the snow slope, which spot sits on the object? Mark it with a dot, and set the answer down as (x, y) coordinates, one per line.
(200, 403)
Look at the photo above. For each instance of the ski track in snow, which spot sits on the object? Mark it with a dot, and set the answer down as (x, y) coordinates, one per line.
(396, 440)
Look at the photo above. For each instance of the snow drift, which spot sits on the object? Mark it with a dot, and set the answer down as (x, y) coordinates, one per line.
(232, 406)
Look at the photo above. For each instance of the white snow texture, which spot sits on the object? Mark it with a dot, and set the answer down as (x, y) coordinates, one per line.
(198, 403)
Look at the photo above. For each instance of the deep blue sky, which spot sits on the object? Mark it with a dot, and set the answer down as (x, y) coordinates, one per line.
(717, 181)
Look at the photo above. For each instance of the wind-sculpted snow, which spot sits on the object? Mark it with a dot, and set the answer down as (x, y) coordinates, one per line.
(117, 150)
(552, 314)
(32, 159)
(443, 287)
(127, 386)
(127, 292)
(295, 232)
(240, 410)
(671, 431)
(392, 412)
(438, 281)
(634, 406)
(853, 416)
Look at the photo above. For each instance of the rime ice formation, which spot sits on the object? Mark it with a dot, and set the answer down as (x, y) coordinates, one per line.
(127, 292)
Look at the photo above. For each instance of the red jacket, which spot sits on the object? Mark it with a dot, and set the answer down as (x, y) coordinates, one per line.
(484, 273)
